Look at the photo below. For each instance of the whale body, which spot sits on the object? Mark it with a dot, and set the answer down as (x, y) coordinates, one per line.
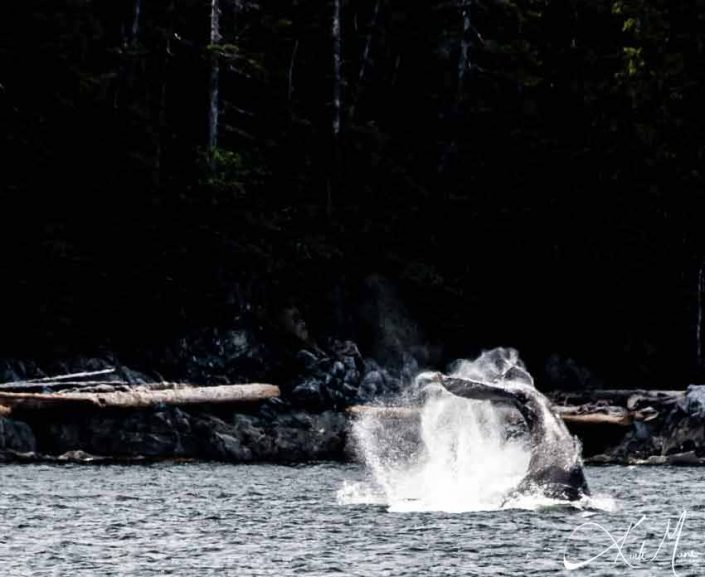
(555, 466)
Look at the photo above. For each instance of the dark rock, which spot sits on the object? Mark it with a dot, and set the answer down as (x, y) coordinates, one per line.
(339, 398)
(16, 436)
(310, 436)
(374, 379)
(306, 359)
(287, 435)
(270, 408)
(8, 374)
(694, 401)
(79, 456)
(132, 377)
(229, 448)
(650, 460)
(10, 456)
(367, 391)
(344, 349)
(309, 393)
(686, 458)
(213, 356)
(338, 369)
(352, 376)
(603, 459)
(336, 376)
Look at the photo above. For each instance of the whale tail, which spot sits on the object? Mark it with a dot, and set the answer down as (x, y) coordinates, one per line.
(555, 468)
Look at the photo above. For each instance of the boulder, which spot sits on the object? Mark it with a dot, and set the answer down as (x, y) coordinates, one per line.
(16, 436)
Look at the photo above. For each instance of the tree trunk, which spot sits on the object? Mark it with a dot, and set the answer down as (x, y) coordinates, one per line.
(135, 28)
(126, 73)
(214, 83)
(161, 114)
(137, 399)
(463, 59)
(463, 66)
(333, 164)
(337, 66)
(290, 90)
(65, 377)
(365, 61)
(699, 322)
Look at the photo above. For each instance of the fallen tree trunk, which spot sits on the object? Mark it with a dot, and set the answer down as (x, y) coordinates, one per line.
(620, 397)
(58, 386)
(390, 412)
(599, 419)
(56, 379)
(622, 417)
(137, 399)
(66, 387)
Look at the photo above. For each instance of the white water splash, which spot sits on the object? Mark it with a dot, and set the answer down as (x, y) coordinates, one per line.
(462, 461)
(456, 454)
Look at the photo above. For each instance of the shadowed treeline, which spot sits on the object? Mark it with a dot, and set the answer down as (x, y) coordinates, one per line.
(523, 173)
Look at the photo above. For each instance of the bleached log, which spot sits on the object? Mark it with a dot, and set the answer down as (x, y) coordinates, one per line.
(70, 386)
(74, 375)
(136, 399)
(39, 387)
(390, 412)
(621, 418)
(58, 378)
(615, 396)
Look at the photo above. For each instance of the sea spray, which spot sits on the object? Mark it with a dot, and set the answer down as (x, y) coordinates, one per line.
(456, 454)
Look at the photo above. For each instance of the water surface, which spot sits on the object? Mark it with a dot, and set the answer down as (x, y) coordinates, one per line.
(265, 520)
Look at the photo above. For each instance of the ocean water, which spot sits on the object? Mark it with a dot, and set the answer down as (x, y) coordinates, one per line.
(265, 520)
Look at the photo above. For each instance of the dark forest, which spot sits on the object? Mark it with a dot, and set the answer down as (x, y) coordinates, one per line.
(426, 179)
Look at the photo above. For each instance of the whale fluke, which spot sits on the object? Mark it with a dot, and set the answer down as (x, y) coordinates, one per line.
(555, 467)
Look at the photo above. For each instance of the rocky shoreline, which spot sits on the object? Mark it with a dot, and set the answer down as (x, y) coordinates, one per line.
(269, 434)
(311, 420)
(671, 430)
(318, 381)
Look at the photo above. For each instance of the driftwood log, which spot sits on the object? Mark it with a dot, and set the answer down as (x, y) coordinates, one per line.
(629, 398)
(599, 419)
(596, 418)
(386, 412)
(137, 399)
(579, 415)
(60, 380)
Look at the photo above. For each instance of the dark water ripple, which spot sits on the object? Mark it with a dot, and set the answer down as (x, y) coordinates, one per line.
(226, 520)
